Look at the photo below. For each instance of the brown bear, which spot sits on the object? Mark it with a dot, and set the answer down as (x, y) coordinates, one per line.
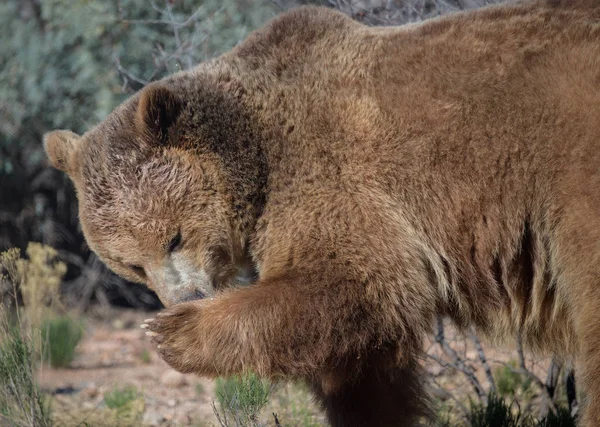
(374, 178)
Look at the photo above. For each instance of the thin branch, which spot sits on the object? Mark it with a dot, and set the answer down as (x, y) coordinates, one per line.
(129, 77)
(457, 362)
(484, 362)
(171, 21)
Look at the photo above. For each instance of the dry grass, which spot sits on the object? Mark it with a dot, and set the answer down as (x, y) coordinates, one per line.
(38, 278)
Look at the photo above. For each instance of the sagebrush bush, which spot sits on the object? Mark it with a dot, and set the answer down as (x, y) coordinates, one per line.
(126, 406)
(36, 279)
(241, 399)
(120, 397)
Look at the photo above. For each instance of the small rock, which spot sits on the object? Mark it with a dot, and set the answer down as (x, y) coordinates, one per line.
(173, 379)
(89, 405)
(183, 419)
(118, 324)
(90, 391)
(153, 418)
(172, 402)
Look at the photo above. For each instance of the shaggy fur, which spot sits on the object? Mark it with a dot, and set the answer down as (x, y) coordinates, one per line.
(374, 178)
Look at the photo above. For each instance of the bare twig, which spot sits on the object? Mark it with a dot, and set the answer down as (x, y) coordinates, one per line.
(484, 362)
(130, 81)
(457, 362)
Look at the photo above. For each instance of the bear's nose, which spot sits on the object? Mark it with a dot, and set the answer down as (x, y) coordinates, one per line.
(195, 295)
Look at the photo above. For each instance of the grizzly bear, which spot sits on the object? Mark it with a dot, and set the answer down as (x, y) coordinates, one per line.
(372, 179)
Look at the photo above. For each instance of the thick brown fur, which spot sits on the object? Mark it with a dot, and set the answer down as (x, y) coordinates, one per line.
(375, 178)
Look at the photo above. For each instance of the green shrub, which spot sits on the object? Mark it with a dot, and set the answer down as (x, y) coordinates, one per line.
(562, 418)
(120, 397)
(145, 356)
(60, 337)
(509, 382)
(497, 413)
(241, 399)
(126, 406)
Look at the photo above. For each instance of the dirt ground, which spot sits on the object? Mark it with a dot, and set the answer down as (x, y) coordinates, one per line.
(115, 353)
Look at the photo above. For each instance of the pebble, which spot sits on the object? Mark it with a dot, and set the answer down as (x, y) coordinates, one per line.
(183, 419)
(153, 418)
(91, 391)
(173, 379)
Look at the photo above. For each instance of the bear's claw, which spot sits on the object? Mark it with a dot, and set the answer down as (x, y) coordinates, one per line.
(171, 330)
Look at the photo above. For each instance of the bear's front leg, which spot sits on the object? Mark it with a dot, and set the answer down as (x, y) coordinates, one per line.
(294, 326)
(347, 337)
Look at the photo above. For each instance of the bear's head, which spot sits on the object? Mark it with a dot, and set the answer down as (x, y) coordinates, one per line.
(168, 186)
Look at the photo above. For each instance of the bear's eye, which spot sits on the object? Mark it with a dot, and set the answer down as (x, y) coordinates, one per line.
(138, 270)
(175, 243)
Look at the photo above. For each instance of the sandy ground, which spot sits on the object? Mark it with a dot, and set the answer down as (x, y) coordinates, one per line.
(115, 353)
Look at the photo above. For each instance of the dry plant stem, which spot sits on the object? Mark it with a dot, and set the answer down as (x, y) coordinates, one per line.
(548, 395)
(222, 422)
(457, 362)
(484, 362)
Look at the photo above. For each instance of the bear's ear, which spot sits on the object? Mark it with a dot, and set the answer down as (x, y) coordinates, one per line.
(61, 147)
(157, 111)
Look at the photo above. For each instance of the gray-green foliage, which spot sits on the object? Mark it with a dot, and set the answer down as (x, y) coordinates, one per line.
(241, 399)
(59, 58)
(120, 397)
(126, 406)
(510, 382)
